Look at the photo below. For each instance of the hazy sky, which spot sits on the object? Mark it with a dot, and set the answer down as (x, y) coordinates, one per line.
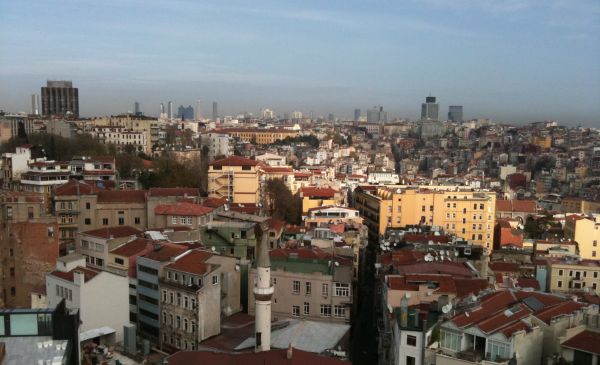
(510, 60)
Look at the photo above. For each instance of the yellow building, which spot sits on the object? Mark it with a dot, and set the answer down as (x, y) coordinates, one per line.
(468, 213)
(566, 275)
(260, 136)
(578, 205)
(586, 232)
(235, 178)
(315, 197)
(543, 142)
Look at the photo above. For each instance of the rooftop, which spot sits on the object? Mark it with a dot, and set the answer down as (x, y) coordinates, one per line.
(193, 262)
(182, 208)
(113, 232)
(235, 161)
(272, 357)
(586, 341)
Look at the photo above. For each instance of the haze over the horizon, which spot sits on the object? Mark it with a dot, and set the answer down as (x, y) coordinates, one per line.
(514, 60)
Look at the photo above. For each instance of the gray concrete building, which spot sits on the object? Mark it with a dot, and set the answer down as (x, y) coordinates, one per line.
(60, 98)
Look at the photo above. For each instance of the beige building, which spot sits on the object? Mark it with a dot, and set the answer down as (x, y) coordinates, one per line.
(586, 232)
(95, 245)
(568, 274)
(309, 283)
(235, 178)
(259, 136)
(468, 213)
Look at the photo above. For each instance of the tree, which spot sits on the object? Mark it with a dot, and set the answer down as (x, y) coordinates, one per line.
(281, 203)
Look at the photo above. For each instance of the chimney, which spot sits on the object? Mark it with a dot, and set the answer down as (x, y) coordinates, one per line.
(78, 278)
(290, 352)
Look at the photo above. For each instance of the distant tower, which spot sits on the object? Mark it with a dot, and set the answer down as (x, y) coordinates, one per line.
(136, 108)
(455, 113)
(60, 98)
(215, 113)
(162, 108)
(198, 112)
(356, 115)
(170, 109)
(430, 109)
(263, 292)
(35, 104)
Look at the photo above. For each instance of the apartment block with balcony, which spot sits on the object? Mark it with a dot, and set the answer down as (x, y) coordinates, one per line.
(309, 283)
(570, 274)
(236, 179)
(43, 176)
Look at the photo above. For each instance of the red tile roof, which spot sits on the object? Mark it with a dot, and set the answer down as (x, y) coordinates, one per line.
(132, 248)
(235, 161)
(271, 357)
(499, 266)
(122, 196)
(445, 283)
(446, 267)
(75, 187)
(214, 202)
(166, 251)
(194, 263)
(564, 308)
(526, 206)
(489, 305)
(182, 208)
(308, 253)
(276, 224)
(314, 192)
(278, 170)
(88, 274)
(114, 232)
(586, 341)
(528, 283)
(173, 192)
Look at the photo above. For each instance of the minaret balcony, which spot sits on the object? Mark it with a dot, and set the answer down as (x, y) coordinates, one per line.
(264, 291)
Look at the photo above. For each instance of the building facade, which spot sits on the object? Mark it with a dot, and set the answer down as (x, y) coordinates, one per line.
(60, 98)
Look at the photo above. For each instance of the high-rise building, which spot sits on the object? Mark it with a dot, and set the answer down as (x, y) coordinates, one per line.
(215, 113)
(430, 109)
(185, 113)
(198, 111)
(35, 104)
(60, 98)
(170, 110)
(162, 108)
(376, 115)
(296, 115)
(136, 108)
(455, 113)
(356, 115)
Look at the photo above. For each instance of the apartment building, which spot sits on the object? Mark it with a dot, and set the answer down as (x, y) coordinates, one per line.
(316, 197)
(325, 216)
(29, 246)
(122, 137)
(309, 283)
(585, 230)
(182, 214)
(14, 164)
(96, 244)
(259, 136)
(569, 274)
(43, 176)
(236, 179)
(219, 145)
(100, 296)
(468, 213)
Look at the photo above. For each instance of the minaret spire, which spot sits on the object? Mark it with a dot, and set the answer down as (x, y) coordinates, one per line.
(263, 290)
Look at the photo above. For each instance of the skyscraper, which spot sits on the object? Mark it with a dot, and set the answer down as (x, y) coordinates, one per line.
(376, 115)
(185, 113)
(215, 113)
(198, 112)
(60, 98)
(136, 108)
(35, 104)
(430, 109)
(162, 108)
(170, 110)
(356, 115)
(455, 113)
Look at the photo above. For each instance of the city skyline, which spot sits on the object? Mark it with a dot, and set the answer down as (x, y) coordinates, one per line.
(518, 61)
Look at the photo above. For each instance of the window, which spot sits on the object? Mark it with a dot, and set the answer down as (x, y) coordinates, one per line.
(137, 220)
(450, 340)
(87, 206)
(193, 325)
(410, 360)
(173, 220)
(342, 290)
(308, 288)
(296, 311)
(177, 321)
(215, 279)
(325, 289)
(185, 302)
(296, 287)
(306, 308)
(185, 324)
(87, 221)
(147, 269)
(559, 284)
(181, 220)
(121, 221)
(481, 206)
(411, 340)
(325, 310)
(193, 303)
(188, 220)
(105, 221)
(560, 272)
(12, 271)
(30, 212)
(164, 296)
(119, 261)
(497, 350)
(593, 253)
(339, 311)
(164, 317)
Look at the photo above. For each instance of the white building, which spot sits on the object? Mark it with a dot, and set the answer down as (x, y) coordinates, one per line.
(384, 178)
(219, 144)
(14, 164)
(272, 159)
(101, 297)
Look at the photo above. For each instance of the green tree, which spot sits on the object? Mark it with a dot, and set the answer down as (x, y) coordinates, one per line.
(281, 203)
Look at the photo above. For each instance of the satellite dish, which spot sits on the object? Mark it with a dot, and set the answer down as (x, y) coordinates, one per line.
(436, 233)
(213, 249)
(337, 263)
(473, 298)
(447, 308)
(428, 258)
(430, 242)
(456, 253)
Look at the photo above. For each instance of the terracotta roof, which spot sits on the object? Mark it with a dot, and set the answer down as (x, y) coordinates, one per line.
(527, 206)
(528, 283)
(501, 266)
(88, 274)
(446, 267)
(276, 224)
(132, 248)
(235, 161)
(193, 262)
(557, 310)
(122, 196)
(173, 192)
(314, 192)
(586, 341)
(308, 253)
(75, 187)
(278, 169)
(214, 202)
(166, 251)
(182, 208)
(271, 357)
(115, 232)
(489, 305)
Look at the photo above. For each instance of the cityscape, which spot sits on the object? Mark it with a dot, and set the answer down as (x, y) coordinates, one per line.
(302, 209)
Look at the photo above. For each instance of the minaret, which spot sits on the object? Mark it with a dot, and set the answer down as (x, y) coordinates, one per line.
(263, 291)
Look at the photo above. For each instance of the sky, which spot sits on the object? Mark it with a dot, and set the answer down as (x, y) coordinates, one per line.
(509, 60)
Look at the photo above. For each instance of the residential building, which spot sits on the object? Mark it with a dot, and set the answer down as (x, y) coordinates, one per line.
(230, 238)
(271, 159)
(220, 145)
(586, 232)
(259, 136)
(60, 98)
(236, 179)
(581, 346)
(43, 176)
(122, 137)
(316, 197)
(29, 247)
(569, 274)
(468, 213)
(517, 209)
(87, 290)
(579, 205)
(96, 244)
(309, 283)
(383, 178)
(15, 164)
(182, 214)
(11, 123)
